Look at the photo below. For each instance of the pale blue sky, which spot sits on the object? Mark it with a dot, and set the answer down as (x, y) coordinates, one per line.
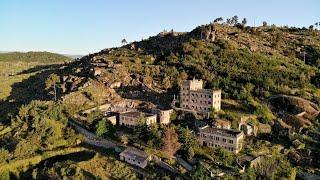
(83, 26)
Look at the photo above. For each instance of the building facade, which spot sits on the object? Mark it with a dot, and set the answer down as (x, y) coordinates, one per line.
(135, 157)
(228, 139)
(163, 116)
(131, 119)
(194, 97)
(112, 119)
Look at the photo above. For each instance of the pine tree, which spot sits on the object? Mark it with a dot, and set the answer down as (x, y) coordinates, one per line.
(52, 82)
(124, 42)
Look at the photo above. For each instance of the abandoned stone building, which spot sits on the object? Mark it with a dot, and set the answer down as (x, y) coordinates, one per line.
(194, 97)
(163, 116)
(228, 139)
(131, 119)
(135, 157)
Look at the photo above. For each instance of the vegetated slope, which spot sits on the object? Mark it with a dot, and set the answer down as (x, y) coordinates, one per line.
(22, 77)
(37, 130)
(248, 63)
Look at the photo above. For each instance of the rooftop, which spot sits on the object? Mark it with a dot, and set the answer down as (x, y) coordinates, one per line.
(223, 132)
(135, 154)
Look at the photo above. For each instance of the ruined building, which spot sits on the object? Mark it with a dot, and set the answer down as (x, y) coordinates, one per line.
(231, 140)
(131, 119)
(195, 98)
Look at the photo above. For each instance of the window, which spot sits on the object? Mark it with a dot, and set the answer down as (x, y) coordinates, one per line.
(209, 102)
(231, 141)
(224, 140)
(209, 96)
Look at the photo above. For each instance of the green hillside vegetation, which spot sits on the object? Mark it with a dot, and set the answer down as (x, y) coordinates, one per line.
(249, 65)
(20, 79)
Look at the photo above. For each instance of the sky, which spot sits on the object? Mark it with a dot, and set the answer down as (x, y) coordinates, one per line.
(87, 26)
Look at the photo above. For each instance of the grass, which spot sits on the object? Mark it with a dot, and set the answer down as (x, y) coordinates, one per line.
(23, 165)
(16, 68)
(107, 167)
(8, 77)
(5, 131)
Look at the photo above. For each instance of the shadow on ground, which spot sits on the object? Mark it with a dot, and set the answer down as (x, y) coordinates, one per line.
(24, 92)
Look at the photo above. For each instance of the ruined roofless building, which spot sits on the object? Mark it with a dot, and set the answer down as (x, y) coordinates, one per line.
(131, 119)
(194, 97)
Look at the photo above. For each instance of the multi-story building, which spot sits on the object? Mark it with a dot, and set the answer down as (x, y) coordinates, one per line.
(194, 97)
(228, 139)
(131, 119)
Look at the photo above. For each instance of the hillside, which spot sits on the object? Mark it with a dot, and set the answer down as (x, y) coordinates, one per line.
(268, 73)
(249, 64)
(19, 74)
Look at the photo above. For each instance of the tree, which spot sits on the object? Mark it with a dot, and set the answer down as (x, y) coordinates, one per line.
(264, 23)
(101, 128)
(311, 27)
(219, 19)
(51, 83)
(234, 19)
(187, 139)
(124, 139)
(200, 172)
(154, 136)
(244, 22)
(190, 153)
(140, 131)
(171, 144)
(124, 42)
(228, 21)
(166, 82)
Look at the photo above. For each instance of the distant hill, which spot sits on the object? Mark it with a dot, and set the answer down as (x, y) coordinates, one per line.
(34, 57)
(73, 56)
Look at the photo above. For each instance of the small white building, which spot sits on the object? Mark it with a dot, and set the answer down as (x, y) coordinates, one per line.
(135, 156)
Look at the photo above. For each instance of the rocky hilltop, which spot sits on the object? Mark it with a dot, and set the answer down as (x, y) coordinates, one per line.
(246, 62)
